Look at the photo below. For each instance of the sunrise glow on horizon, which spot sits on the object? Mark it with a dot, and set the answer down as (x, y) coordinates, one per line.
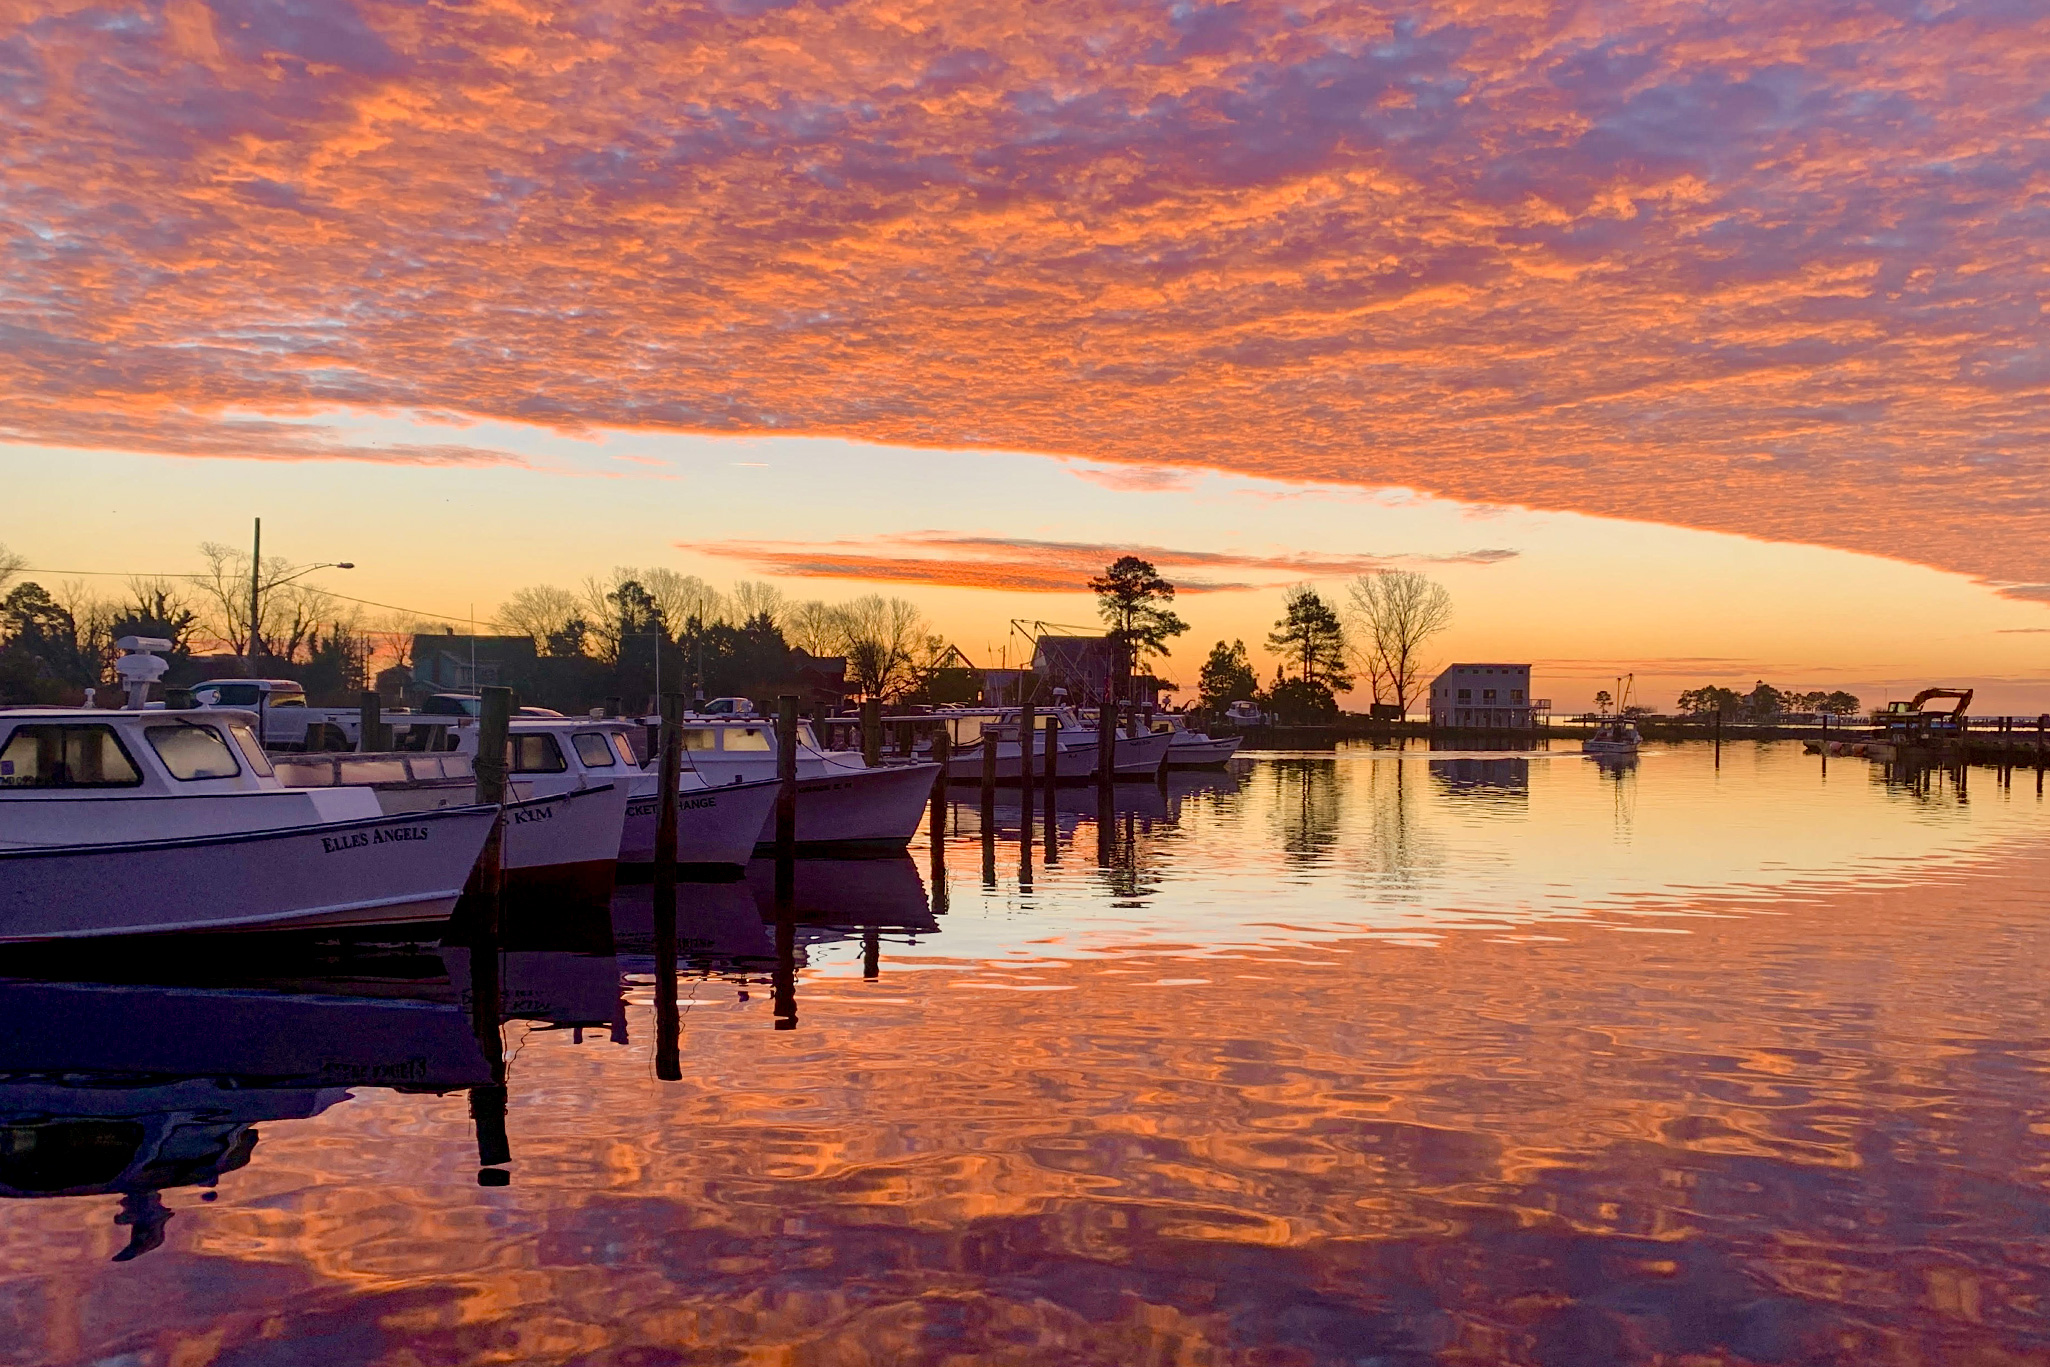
(1700, 342)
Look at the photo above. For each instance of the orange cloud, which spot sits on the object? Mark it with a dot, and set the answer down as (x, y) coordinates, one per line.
(1754, 267)
(954, 561)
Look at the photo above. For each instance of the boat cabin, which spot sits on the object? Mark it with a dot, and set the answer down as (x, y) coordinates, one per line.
(131, 754)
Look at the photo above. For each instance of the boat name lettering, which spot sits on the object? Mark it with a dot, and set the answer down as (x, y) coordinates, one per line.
(335, 844)
(521, 818)
(642, 808)
(695, 803)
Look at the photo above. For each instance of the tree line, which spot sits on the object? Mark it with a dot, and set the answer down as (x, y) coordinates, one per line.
(1382, 632)
(1763, 703)
(603, 639)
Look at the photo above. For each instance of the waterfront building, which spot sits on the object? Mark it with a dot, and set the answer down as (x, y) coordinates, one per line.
(1485, 697)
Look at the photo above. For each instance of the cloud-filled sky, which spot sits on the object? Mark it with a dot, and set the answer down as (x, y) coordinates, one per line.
(1777, 269)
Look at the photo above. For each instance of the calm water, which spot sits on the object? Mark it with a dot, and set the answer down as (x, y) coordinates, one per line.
(1365, 1059)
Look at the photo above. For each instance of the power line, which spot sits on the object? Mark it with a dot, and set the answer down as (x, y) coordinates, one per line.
(187, 575)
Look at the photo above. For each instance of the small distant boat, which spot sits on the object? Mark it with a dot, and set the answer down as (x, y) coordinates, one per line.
(1615, 737)
(1194, 749)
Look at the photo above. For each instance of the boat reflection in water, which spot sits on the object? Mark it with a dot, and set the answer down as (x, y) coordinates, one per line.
(131, 1088)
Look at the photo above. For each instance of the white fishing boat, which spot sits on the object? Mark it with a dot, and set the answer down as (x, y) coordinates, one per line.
(569, 784)
(973, 733)
(1139, 753)
(844, 805)
(1190, 749)
(1615, 737)
(143, 822)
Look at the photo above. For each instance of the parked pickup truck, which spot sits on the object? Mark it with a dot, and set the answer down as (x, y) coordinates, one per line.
(288, 724)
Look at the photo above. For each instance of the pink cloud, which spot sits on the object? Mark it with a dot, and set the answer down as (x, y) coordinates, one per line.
(1755, 267)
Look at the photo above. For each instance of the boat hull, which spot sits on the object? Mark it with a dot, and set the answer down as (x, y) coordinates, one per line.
(847, 810)
(382, 871)
(1207, 752)
(716, 827)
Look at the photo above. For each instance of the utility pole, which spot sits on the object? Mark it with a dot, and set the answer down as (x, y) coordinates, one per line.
(255, 595)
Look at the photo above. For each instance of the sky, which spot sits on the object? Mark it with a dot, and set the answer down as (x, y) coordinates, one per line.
(1702, 340)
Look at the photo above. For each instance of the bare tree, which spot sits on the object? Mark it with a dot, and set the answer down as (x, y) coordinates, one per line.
(541, 612)
(683, 598)
(813, 626)
(1396, 613)
(881, 638)
(11, 564)
(752, 598)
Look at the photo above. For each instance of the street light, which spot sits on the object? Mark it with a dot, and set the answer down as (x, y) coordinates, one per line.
(256, 589)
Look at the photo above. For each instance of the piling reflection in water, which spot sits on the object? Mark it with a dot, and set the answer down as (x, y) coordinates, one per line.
(1353, 1059)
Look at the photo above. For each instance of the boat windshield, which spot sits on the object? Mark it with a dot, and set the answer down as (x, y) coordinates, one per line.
(192, 752)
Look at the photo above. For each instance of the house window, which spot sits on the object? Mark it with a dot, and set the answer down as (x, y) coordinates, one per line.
(1487, 695)
(1516, 695)
(1466, 695)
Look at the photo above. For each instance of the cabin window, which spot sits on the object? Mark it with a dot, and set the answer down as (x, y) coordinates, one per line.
(747, 738)
(625, 748)
(193, 752)
(66, 757)
(592, 750)
(700, 738)
(535, 753)
(251, 748)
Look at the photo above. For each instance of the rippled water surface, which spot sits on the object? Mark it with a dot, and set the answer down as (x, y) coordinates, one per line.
(1371, 1058)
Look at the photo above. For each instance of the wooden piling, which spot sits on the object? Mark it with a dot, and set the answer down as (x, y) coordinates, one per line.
(370, 736)
(1106, 753)
(872, 732)
(989, 779)
(1027, 722)
(669, 779)
(495, 709)
(942, 753)
(786, 777)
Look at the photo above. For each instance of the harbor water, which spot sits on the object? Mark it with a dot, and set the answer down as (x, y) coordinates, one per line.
(1381, 1056)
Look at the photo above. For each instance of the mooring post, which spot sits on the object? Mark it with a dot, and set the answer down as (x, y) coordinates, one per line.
(1053, 779)
(1106, 752)
(370, 723)
(988, 741)
(872, 732)
(1718, 738)
(942, 754)
(1027, 736)
(494, 724)
(786, 777)
(669, 779)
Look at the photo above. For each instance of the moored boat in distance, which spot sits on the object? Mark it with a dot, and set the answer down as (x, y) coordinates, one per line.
(1194, 749)
(1615, 737)
(116, 823)
(844, 805)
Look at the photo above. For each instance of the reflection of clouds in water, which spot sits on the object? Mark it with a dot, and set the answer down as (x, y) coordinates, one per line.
(1413, 842)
